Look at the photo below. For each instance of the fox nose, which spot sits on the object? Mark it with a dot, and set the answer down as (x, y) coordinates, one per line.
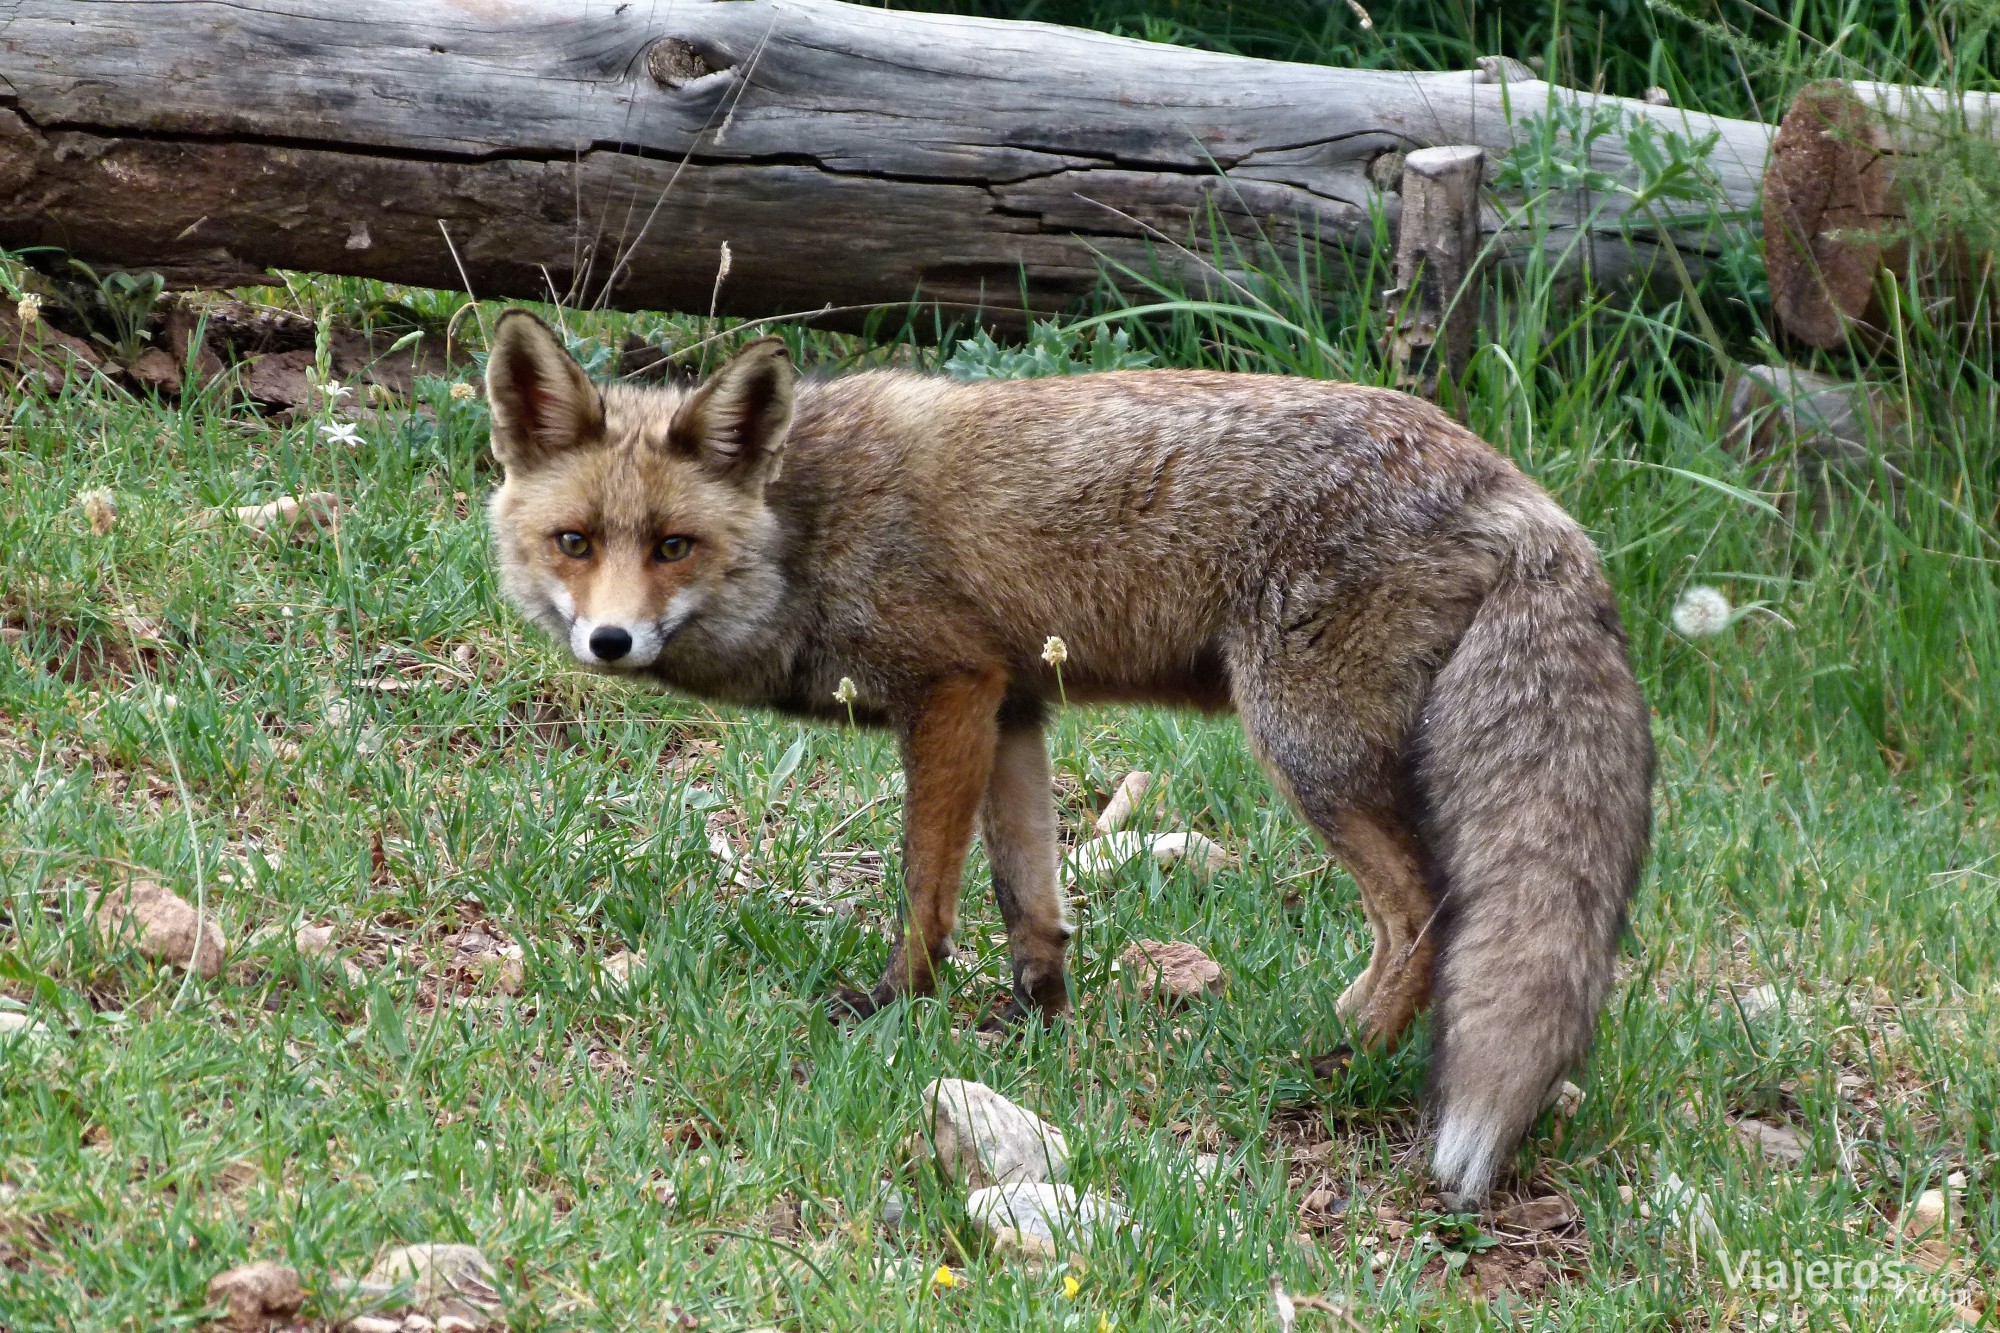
(610, 642)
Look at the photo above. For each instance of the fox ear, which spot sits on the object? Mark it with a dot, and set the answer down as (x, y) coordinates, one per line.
(736, 421)
(541, 400)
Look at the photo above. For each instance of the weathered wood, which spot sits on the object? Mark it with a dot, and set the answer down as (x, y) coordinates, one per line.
(1835, 205)
(1431, 309)
(848, 156)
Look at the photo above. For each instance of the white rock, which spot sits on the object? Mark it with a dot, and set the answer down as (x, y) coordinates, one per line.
(1101, 856)
(1685, 1206)
(1057, 1214)
(22, 1026)
(618, 969)
(980, 1138)
(1124, 802)
(369, 1323)
(442, 1280)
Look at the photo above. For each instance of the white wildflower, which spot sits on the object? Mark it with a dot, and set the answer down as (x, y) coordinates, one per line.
(845, 693)
(334, 391)
(341, 432)
(461, 392)
(28, 310)
(1055, 652)
(1702, 612)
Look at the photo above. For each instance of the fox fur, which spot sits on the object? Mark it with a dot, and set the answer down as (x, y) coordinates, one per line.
(1420, 644)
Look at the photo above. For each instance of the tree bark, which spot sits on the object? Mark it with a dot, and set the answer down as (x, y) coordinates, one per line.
(1431, 307)
(848, 157)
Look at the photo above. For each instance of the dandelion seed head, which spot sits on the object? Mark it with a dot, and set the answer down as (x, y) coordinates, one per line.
(461, 392)
(1702, 612)
(1055, 652)
(845, 692)
(28, 310)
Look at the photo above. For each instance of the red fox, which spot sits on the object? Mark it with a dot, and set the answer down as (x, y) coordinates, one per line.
(1420, 644)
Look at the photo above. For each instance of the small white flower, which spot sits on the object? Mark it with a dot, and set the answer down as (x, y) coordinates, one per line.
(334, 391)
(1702, 612)
(28, 310)
(1055, 652)
(461, 392)
(341, 432)
(845, 693)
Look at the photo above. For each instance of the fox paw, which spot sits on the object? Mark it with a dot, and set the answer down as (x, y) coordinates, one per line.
(848, 1005)
(1333, 1064)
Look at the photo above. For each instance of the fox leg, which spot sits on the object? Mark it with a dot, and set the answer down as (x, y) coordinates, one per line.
(1387, 862)
(1330, 695)
(1018, 826)
(947, 761)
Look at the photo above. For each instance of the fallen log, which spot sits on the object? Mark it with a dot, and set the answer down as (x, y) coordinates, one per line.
(1837, 205)
(846, 156)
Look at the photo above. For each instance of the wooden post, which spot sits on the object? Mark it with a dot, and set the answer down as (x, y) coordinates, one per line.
(1431, 307)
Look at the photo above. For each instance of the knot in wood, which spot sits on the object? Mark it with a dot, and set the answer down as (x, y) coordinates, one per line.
(674, 64)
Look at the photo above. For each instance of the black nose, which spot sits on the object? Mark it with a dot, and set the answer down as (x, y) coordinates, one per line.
(610, 643)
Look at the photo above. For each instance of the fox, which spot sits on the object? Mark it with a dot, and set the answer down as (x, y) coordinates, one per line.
(1421, 646)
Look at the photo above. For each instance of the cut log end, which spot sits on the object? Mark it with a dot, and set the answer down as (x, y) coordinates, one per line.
(1830, 205)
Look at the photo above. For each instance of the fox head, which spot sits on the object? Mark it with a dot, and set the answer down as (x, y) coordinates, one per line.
(631, 515)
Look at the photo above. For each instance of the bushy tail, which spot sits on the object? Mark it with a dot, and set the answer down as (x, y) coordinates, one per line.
(1536, 765)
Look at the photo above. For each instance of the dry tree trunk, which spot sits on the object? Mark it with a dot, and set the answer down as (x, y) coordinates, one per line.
(1432, 307)
(1837, 200)
(847, 156)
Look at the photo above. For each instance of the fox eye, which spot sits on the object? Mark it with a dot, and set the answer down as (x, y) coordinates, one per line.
(674, 548)
(573, 544)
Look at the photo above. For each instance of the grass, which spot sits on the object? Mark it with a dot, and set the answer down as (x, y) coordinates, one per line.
(354, 732)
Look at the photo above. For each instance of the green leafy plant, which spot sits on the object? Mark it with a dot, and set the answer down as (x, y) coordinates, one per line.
(126, 302)
(1051, 349)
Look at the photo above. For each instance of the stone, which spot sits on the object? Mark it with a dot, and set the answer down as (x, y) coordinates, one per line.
(979, 1138)
(1124, 802)
(156, 369)
(891, 1208)
(1102, 856)
(1819, 427)
(257, 1295)
(1551, 1212)
(619, 968)
(1925, 1224)
(443, 1281)
(300, 518)
(1170, 971)
(316, 942)
(1059, 1216)
(1780, 1145)
(19, 1025)
(161, 925)
(372, 1323)
(1021, 1246)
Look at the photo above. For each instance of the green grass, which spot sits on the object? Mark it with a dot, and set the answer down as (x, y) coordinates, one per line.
(702, 1144)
